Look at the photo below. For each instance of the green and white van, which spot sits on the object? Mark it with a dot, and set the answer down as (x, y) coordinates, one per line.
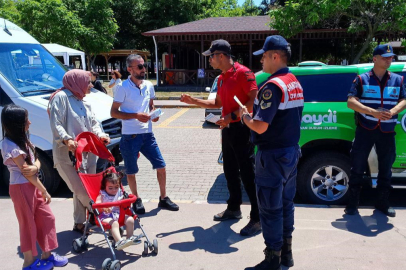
(328, 129)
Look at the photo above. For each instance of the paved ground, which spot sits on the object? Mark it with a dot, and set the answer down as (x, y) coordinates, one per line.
(191, 240)
(190, 149)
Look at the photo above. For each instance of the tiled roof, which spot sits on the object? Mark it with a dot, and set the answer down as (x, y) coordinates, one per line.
(245, 24)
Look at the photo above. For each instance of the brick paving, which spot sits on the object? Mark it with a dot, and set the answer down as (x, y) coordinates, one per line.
(190, 152)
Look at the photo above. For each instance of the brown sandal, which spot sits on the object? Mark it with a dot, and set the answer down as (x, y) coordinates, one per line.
(81, 229)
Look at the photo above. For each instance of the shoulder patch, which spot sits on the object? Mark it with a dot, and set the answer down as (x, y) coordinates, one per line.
(267, 94)
(265, 105)
(250, 76)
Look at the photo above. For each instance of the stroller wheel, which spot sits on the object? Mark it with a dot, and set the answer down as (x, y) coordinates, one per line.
(77, 245)
(155, 244)
(115, 265)
(85, 243)
(145, 252)
(106, 264)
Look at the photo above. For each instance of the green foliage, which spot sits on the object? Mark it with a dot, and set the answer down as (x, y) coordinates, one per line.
(100, 26)
(8, 10)
(373, 17)
(49, 21)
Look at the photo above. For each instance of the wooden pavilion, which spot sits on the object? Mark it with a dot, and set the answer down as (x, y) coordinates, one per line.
(187, 41)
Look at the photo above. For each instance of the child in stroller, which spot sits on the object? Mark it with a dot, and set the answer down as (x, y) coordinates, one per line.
(111, 192)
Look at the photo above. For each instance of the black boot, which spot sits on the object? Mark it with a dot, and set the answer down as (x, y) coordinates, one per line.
(287, 257)
(382, 203)
(353, 200)
(272, 261)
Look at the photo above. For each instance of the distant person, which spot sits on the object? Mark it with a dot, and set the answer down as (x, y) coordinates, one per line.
(238, 151)
(30, 198)
(377, 97)
(110, 191)
(115, 81)
(133, 103)
(96, 83)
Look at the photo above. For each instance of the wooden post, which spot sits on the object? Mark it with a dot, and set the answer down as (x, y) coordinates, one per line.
(169, 65)
(107, 67)
(201, 55)
(300, 47)
(250, 52)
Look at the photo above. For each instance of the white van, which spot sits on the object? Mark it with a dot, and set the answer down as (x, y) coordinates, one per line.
(29, 74)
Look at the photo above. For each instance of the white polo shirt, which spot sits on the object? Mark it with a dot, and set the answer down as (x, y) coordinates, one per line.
(135, 100)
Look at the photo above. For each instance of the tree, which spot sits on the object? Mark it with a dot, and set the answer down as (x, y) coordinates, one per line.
(372, 17)
(49, 21)
(99, 26)
(249, 8)
(8, 10)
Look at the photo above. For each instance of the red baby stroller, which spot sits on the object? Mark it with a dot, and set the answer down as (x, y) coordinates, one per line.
(88, 142)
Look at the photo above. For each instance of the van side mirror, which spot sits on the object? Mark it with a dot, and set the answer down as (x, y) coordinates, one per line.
(207, 89)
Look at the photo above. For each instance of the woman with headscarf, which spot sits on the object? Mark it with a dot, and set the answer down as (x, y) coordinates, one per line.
(70, 115)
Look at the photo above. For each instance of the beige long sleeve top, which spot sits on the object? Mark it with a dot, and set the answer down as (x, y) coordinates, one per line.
(69, 117)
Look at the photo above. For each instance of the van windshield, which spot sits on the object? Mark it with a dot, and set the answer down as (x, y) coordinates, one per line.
(30, 68)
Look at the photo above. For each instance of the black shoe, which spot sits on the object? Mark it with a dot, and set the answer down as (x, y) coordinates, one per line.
(227, 214)
(353, 200)
(389, 211)
(286, 256)
(168, 204)
(272, 261)
(251, 228)
(383, 203)
(138, 207)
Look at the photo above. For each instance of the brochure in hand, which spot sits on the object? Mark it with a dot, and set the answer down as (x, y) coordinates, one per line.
(212, 118)
(156, 113)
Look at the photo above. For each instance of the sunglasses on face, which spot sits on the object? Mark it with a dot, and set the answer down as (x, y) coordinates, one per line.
(213, 54)
(141, 66)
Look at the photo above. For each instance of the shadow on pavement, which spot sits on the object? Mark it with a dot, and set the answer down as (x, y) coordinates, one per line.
(219, 191)
(216, 239)
(96, 253)
(369, 226)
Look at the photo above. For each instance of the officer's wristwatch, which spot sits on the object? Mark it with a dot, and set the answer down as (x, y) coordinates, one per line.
(233, 116)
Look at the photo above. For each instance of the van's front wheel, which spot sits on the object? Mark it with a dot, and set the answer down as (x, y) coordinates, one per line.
(323, 178)
(47, 174)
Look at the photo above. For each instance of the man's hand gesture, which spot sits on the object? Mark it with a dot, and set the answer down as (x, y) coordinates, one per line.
(186, 99)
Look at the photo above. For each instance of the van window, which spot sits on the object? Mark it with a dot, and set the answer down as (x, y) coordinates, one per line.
(326, 87)
(30, 68)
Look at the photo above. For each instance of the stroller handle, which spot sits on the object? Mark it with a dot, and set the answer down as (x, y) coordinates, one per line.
(124, 202)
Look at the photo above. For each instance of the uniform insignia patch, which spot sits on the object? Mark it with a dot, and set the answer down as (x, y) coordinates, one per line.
(265, 105)
(250, 76)
(267, 94)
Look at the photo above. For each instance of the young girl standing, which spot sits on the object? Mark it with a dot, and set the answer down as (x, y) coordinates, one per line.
(30, 198)
(111, 192)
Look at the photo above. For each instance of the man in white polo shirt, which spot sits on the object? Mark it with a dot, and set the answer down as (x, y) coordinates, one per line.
(133, 103)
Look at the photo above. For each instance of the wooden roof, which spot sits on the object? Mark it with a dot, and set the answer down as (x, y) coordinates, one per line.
(215, 25)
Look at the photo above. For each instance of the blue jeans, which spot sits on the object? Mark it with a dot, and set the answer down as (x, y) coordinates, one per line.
(131, 145)
(275, 179)
(361, 147)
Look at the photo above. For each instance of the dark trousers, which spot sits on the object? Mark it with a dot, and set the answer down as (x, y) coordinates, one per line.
(275, 179)
(385, 149)
(238, 165)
